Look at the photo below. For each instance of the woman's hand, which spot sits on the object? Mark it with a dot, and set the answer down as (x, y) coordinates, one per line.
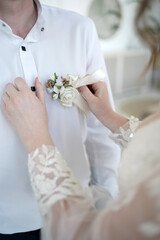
(27, 113)
(98, 100)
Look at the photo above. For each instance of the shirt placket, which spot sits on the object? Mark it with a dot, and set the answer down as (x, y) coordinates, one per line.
(28, 63)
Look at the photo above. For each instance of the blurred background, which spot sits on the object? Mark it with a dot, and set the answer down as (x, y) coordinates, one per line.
(125, 54)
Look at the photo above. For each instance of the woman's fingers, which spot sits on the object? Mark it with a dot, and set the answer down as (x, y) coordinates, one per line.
(6, 105)
(86, 93)
(10, 89)
(4, 109)
(20, 84)
(93, 90)
(26, 113)
(39, 91)
(5, 98)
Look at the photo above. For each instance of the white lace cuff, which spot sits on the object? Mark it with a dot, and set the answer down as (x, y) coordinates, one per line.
(125, 133)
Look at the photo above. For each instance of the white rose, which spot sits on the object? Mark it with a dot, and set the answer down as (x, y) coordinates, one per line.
(71, 78)
(67, 96)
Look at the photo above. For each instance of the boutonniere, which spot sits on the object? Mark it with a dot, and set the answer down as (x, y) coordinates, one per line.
(65, 90)
(62, 88)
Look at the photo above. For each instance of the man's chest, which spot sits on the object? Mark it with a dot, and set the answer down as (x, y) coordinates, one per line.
(20, 58)
(44, 58)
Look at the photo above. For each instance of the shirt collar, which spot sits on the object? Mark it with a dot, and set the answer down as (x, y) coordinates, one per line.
(36, 31)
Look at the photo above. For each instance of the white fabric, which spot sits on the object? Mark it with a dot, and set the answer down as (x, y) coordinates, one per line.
(67, 45)
(69, 214)
(123, 136)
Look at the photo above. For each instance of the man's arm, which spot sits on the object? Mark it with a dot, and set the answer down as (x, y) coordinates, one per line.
(103, 153)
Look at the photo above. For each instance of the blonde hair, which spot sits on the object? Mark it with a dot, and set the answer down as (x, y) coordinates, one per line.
(146, 33)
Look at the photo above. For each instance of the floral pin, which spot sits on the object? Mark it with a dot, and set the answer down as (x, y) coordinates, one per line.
(65, 89)
(62, 88)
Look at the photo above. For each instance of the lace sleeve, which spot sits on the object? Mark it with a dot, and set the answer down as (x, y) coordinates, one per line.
(51, 179)
(126, 132)
(68, 214)
(61, 199)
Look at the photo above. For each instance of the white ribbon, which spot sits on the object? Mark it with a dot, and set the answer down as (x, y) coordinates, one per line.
(95, 77)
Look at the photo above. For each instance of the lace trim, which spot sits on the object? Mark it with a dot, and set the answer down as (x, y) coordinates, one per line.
(52, 181)
(124, 134)
(51, 178)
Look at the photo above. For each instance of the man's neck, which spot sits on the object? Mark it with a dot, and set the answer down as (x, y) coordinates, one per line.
(20, 15)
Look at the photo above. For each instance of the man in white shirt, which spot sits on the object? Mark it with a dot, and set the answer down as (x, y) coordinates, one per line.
(38, 40)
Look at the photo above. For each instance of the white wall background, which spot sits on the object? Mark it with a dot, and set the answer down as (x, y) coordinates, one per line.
(124, 38)
(124, 54)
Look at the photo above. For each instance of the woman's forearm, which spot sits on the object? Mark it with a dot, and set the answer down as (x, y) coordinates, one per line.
(113, 120)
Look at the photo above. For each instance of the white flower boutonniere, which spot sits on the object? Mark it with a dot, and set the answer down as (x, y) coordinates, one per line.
(62, 89)
(65, 89)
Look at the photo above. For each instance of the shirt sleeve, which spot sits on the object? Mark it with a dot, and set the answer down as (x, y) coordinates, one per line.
(103, 153)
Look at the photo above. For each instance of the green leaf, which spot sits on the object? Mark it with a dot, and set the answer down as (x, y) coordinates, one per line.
(55, 75)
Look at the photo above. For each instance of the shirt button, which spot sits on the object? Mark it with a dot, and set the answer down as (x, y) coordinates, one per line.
(33, 89)
(42, 29)
(23, 48)
(3, 24)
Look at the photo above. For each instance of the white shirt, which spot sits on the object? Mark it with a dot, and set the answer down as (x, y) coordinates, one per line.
(66, 43)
